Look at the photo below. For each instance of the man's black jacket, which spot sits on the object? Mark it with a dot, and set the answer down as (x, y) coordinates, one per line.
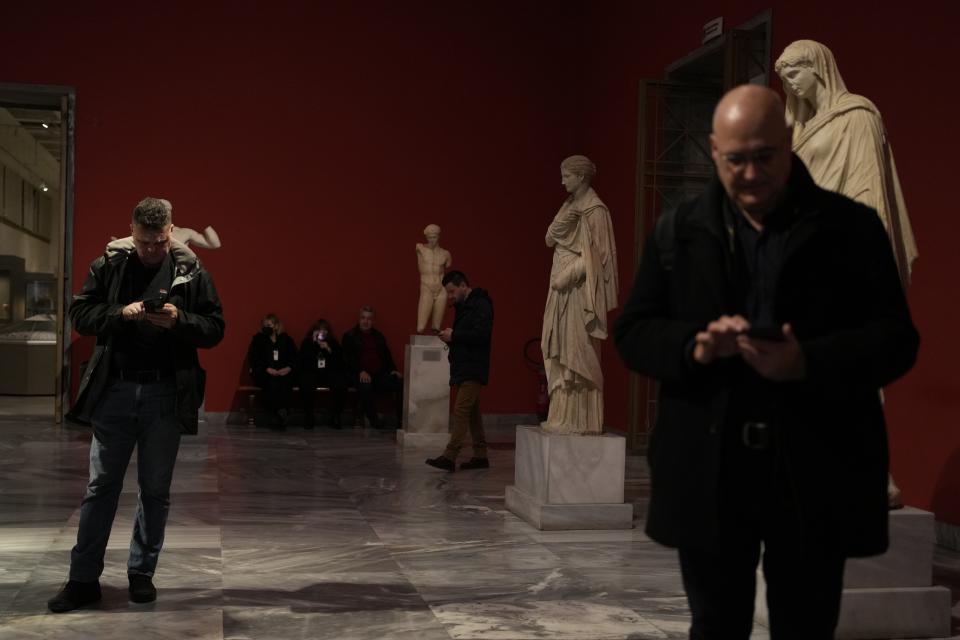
(840, 290)
(352, 345)
(470, 344)
(95, 311)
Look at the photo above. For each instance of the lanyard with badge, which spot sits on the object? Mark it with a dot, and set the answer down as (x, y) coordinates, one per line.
(320, 338)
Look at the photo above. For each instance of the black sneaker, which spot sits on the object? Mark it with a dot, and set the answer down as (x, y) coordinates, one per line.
(141, 588)
(475, 463)
(74, 595)
(442, 462)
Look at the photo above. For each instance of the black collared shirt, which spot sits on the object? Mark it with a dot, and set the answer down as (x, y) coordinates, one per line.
(761, 259)
(140, 345)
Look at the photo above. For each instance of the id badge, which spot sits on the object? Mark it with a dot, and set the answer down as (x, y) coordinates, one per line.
(276, 355)
(321, 363)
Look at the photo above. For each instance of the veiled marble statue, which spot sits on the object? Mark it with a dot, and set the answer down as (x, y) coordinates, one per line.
(583, 288)
(432, 260)
(840, 138)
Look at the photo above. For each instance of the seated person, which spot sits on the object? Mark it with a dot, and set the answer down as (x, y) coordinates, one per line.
(371, 367)
(320, 364)
(272, 357)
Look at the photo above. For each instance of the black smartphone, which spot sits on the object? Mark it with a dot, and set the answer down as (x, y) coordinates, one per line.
(154, 305)
(774, 334)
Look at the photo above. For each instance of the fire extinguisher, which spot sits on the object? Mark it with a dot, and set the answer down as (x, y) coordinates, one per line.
(536, 365)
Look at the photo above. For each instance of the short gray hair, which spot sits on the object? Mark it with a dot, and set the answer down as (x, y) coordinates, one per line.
(368, 309)
(153, 213)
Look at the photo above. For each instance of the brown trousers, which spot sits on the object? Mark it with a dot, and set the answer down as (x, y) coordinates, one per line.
(466, 417)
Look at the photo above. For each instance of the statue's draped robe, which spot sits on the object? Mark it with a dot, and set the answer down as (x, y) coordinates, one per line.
(583, 288)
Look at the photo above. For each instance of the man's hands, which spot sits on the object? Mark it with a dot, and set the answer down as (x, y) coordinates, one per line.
(278, 372)
(133, 312)
(446, 335)
(720, 339)
(165, 318)
(778, 360)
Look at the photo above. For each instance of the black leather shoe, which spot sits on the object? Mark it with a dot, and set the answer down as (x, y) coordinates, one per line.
(74, 595)
(442, 462)
(475, 463)
(141, 588)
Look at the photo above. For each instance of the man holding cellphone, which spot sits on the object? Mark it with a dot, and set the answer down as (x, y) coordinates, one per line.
(771, 312)
(150, 305)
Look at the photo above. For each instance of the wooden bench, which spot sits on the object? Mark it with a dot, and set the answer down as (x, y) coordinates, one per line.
(252, 391)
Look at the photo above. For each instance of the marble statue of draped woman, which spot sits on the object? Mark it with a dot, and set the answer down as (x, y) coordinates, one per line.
(583, 288)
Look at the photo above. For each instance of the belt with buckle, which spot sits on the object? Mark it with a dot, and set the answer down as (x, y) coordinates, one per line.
(755, 435)
(143, 376)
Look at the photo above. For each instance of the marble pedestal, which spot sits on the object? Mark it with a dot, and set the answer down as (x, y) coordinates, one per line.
(569, 482)
(890, 596)
(426, 394)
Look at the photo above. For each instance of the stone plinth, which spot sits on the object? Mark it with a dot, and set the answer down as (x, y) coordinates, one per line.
(569, 482)
(891, 595)
(426, 393)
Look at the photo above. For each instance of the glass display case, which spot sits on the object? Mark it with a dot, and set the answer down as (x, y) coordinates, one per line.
(28, 351)
(6, 301)
(41, 297)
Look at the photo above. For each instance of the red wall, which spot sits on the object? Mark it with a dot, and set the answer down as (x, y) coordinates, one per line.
(904, 62)
(319, 139)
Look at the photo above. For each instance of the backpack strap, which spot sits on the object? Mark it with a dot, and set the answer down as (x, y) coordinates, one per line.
(664, 233)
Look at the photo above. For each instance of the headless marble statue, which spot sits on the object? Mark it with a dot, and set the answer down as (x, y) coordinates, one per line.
(583, 288)
(208, 239)
(840, 138)
(432, 260)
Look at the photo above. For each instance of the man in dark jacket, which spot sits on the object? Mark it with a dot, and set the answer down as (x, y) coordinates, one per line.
(771, 312)
(371, 367)
(469, 341)
(150, 305)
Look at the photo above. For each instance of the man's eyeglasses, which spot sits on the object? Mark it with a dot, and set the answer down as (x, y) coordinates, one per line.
(760, 159)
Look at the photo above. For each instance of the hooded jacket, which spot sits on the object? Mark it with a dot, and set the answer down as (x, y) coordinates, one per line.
(96, 311)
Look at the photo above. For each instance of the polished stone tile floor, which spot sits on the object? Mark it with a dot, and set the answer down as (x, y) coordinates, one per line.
(327, 534)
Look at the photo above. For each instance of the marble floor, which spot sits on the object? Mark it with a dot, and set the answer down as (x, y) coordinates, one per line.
(328, 534)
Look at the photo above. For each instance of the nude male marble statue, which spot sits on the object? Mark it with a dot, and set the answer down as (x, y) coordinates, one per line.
(432, 260)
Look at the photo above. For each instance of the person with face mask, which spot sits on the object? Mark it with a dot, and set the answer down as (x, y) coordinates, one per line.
(320, 364)
(272, 356)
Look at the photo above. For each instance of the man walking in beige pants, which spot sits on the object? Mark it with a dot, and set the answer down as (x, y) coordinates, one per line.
(469, 341)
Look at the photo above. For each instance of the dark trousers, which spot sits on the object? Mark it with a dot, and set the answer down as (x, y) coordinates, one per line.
(277, 390)
(804, 577)
(128, 415)
(333, 380)
(379, 383)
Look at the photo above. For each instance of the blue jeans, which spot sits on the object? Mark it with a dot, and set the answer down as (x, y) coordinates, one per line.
(129, 414)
